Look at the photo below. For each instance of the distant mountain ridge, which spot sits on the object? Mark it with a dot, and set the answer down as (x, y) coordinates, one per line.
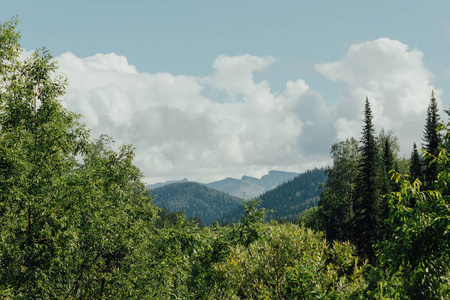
(250, 186)
(288, 200)
(195, 200)
(160, 184)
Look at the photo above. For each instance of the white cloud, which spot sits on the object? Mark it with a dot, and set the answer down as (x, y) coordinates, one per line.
(396, 81)
(179, 132)
(245, 128)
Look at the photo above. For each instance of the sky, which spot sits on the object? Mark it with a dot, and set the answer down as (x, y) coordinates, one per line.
(212, 89)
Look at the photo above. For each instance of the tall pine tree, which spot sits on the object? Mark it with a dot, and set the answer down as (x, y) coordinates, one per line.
(432, 141)
(366, 208)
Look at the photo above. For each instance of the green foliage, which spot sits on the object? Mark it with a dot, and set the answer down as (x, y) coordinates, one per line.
(73, 212)
(250, 260)
(195, 200)
(166, 218)
(77, 222)
(415, 170)
(182, 257)
(365, 222)
(433, 140)
(310, 218)
(290, 263)
(288, 200)
(251, 221)
(417, 256)
(9, 47)
(337, 198)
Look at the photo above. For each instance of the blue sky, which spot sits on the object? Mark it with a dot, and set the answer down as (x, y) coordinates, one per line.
(190, 60)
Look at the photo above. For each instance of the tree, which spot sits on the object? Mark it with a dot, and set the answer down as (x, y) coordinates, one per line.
(366, 225)
(389, 149)
(417, 256)
(432, 141)
(387, 164)
(73, 213)
(415, 170)
(290, 262)
(39, 141)
(336, 201)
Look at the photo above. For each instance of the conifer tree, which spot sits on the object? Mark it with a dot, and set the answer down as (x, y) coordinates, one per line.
(387, 164)
(433, 141)
(365, 225)
(415, 168)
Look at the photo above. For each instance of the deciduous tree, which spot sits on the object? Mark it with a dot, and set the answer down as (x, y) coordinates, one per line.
(73, 212)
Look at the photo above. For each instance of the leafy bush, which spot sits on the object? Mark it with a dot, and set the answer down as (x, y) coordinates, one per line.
(290, 262)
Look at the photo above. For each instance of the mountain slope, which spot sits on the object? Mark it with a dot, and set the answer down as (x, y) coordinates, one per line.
(251, 186)
(290, 199)
(160, 184)
(196, 200)
(238, 188)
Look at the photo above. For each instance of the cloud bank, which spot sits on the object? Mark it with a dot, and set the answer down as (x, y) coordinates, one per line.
(227, 124)
(396, 81)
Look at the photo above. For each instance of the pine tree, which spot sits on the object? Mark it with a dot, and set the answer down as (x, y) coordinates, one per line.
(433, 141)
(387, 164)
(415, 168)
(366, 209)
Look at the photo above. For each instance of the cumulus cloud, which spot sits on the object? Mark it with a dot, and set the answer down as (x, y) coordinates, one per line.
(227, 124)
(178, 132)
(396, 82)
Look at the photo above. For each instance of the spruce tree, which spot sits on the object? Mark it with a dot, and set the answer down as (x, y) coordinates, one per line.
(433, 141)
(387, 186)
(387, 164)
(415, 168)
(366, 208)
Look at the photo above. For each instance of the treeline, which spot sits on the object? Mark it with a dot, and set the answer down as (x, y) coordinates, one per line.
(395, 211)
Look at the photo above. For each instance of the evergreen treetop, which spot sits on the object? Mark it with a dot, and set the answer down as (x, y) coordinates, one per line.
(365, 228)
(432, 141)
(415, 168)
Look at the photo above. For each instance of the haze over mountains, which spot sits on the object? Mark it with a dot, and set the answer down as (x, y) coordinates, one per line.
(210, 202)
(250, 186)
(195, 200)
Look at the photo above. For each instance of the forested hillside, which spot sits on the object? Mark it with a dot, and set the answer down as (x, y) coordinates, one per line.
(195, 200)
(290, 199)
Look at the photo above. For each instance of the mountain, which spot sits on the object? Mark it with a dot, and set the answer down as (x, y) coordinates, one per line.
(289, 199)
(160, 184)
(195, 199)
(251, 186)
(238, 188)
